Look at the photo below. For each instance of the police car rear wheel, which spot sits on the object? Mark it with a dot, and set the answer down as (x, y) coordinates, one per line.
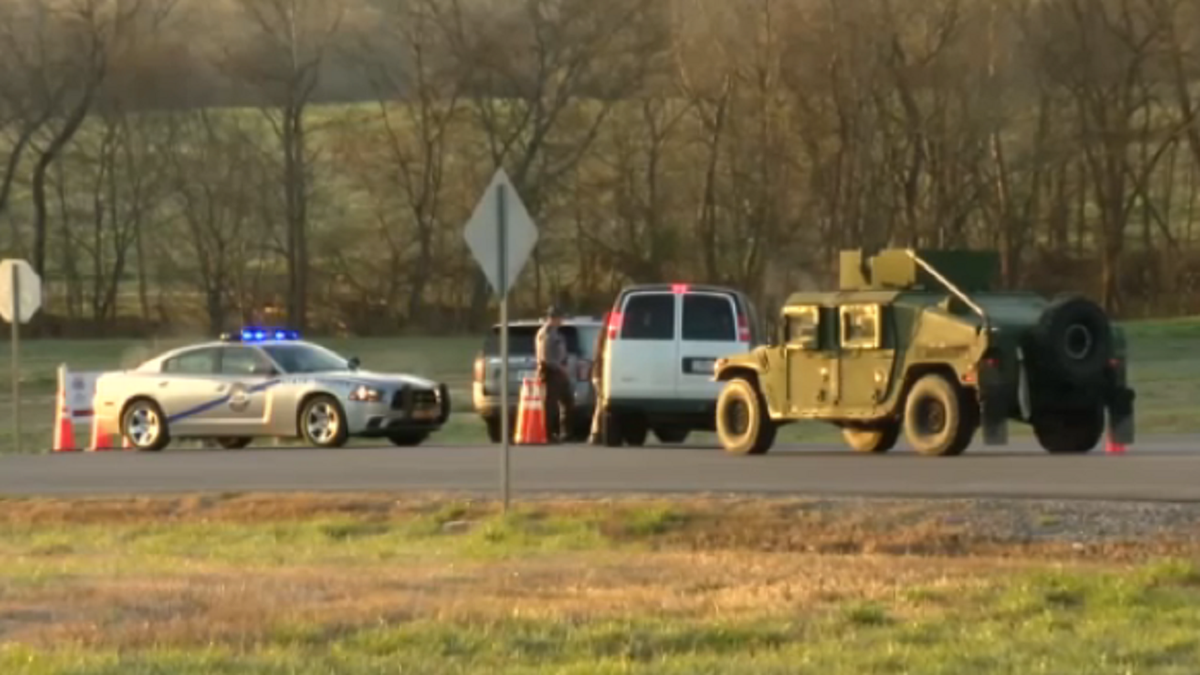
(144, 424)
(322, 423)
(877, 439)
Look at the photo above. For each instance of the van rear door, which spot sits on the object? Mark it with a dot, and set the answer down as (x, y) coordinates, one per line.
(712, 327)
(643, 347)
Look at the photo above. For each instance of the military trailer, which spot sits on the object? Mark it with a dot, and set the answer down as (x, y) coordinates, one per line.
(918, 341)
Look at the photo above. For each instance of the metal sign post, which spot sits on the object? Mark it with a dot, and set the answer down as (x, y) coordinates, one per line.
(15, 277)
(501, 236)
(20, 299)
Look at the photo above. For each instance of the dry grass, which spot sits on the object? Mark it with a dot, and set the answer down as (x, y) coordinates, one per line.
(699, 559)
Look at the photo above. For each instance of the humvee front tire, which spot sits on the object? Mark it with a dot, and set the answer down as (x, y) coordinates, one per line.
(1069, 432)
(877, 439)
(937, 420)
(743, 425)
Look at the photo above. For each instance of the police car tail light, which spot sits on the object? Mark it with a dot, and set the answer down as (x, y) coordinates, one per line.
(364, 393)
(743, 329)
(679, 288)
(614, 325)
(479, 368)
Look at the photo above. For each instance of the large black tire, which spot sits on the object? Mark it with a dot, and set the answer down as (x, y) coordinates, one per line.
(323, 412)
(611, 434)
(876, 439)
(407, 439)
(671, 434)
(634, 430)
(937, 417)
(233, 442)
(145, 425)
(743, 425)
(493, 428)
(1069, 432)
(1073, 339)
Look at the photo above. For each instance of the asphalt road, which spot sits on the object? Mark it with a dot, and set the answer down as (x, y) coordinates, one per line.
(1166, 468)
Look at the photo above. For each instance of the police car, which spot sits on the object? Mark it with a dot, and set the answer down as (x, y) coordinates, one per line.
(266, 383)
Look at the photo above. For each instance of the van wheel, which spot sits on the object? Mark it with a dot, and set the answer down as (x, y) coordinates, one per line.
(635, 431)
(874, 439)
(671, 434)
(743, 425)
(610, 429)
(937, 417)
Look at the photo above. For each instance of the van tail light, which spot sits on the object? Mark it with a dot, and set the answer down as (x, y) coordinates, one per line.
(479, 368)
(743, 329)
(614, 325)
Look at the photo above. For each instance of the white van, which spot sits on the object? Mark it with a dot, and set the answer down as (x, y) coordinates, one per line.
(663, 341)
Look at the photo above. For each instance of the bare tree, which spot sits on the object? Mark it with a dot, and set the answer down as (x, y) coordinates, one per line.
(288, 44)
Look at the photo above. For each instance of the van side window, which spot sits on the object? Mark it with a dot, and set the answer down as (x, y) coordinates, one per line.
(708, 318)
(649, 316)
(860, 326)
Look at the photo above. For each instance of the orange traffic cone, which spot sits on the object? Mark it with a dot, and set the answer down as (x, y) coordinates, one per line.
(64, 430)
(531, 414)
(103, 439)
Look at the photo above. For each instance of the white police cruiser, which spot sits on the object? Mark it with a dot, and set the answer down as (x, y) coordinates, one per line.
(263, 383)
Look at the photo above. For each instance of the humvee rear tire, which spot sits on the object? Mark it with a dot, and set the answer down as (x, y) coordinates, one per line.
(937, 420)
(743, 425)
(1074, 338)
(876, 440)
(671, 434)
(1069, 432)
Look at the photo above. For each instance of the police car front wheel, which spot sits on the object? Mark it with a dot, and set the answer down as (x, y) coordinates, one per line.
(323, 423)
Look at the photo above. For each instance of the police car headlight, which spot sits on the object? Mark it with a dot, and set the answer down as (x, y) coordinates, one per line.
(366, 394)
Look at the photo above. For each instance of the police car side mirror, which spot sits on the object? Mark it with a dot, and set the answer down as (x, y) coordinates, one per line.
(354, 363)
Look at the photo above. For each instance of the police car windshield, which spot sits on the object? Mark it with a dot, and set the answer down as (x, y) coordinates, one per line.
(304, 358)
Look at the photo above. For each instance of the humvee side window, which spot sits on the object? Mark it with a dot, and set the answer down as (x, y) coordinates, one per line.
(860, 326)
(803, 324)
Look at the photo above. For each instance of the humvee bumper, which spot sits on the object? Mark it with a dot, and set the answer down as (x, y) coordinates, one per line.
(1120, 415)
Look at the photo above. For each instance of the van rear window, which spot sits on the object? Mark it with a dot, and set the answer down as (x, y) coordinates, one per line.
(649, 316)
(708, 318)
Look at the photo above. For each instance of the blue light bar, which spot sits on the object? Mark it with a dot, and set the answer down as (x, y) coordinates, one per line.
(255, 334)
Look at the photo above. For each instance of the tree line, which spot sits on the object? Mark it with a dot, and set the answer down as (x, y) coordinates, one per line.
(178, 165)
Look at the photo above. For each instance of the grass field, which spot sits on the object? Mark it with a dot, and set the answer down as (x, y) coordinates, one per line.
(1164, 368)
(371, 584)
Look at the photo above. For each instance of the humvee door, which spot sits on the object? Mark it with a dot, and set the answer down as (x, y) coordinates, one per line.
(811, 366)
(866, 358)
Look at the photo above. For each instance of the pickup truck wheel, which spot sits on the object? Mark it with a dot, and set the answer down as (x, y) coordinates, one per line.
(937, 421)
(743, 425)
(876, 440)
(407, 439)
(1069, 432)
(493, 428)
